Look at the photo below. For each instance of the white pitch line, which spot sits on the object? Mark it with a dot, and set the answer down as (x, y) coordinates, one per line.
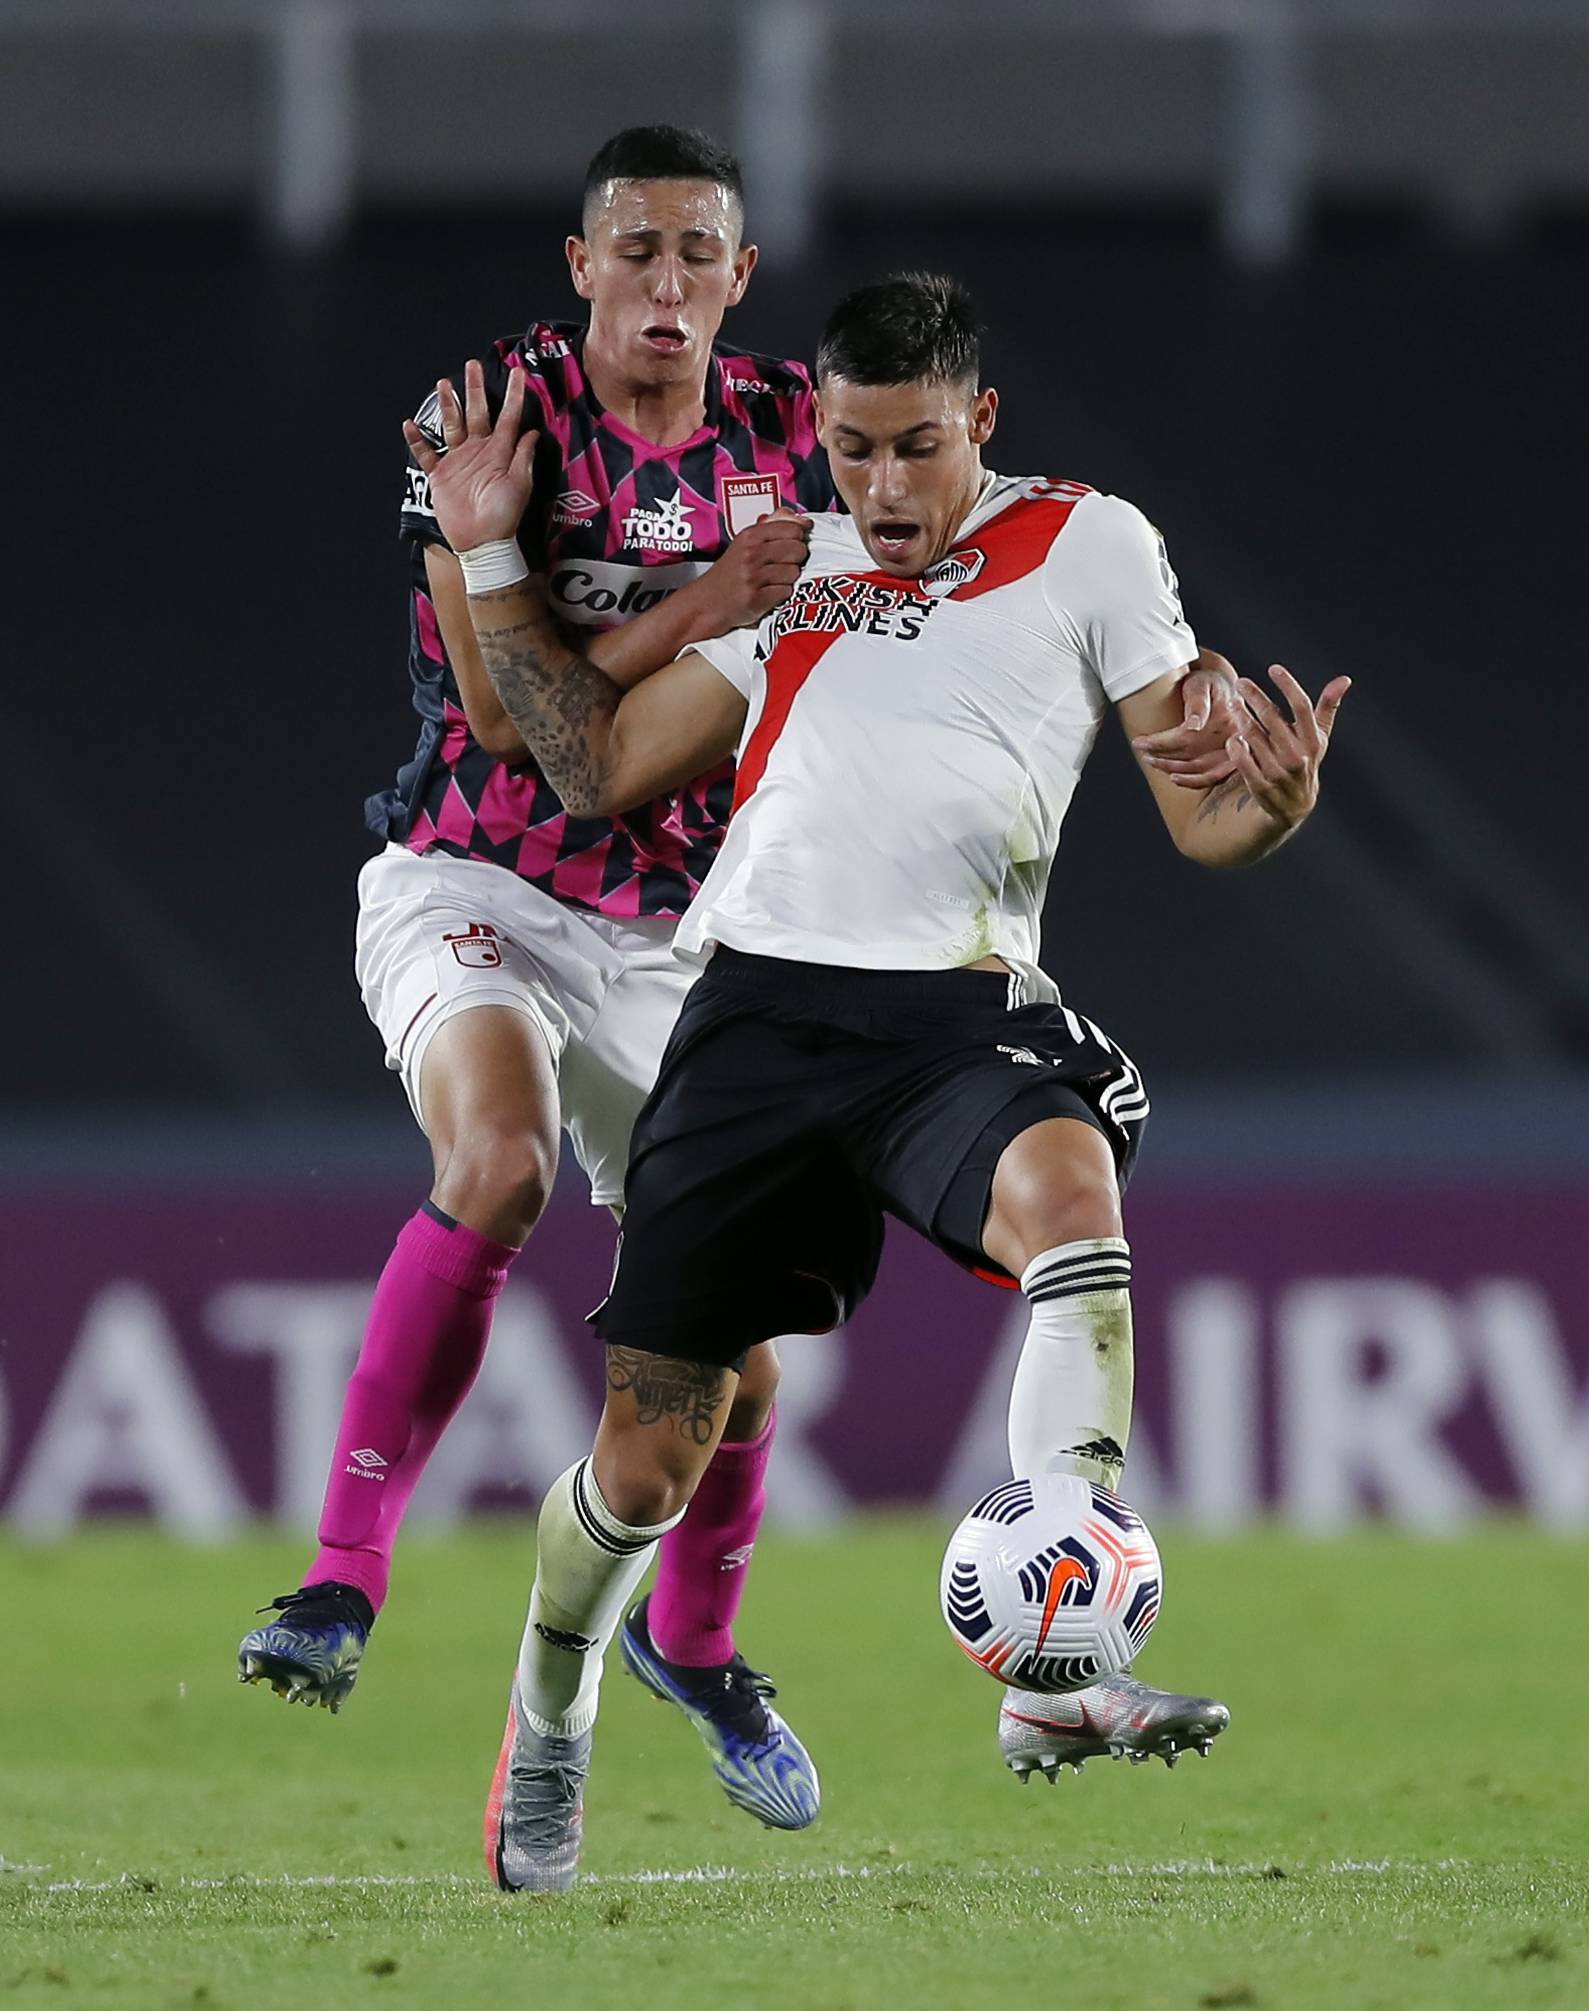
(723, 1874)
(700, 1874)
(1210, 1867)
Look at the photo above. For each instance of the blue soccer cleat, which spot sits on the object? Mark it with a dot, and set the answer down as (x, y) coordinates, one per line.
(312, 1652)
(762, 1765)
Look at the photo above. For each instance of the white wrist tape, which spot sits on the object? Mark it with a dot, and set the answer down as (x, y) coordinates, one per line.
(488, 567)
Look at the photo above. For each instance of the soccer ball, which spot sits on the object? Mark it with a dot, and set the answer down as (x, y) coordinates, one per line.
(1050, 1583)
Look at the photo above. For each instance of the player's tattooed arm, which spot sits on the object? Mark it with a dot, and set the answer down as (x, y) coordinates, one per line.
(490, 725)
(685, 1395)
(1231, 794)
(603, 749)
(558, 701)
(1275, 756)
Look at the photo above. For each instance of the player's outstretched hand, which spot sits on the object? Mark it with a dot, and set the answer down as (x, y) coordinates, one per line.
(1277, 757)
(758, 571)
(480, 483)
(1194, 755)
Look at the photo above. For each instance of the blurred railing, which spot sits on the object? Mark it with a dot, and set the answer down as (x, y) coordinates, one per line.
(1474, 106)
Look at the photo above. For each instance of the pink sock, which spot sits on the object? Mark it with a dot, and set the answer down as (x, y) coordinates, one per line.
(701, 1572)
(429, 1324)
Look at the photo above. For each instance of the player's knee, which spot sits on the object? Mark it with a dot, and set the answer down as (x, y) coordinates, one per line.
(498, 1180)
(751, 1409)
(644, 1496)
(1043, 1199)
(1066, 1210)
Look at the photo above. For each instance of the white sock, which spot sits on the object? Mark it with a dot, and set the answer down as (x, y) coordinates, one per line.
(588, 1563)
(1070, 1402)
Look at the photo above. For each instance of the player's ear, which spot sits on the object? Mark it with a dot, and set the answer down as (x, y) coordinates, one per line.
(744, 265)
(984, 416)
(578, 255)
(819, 417)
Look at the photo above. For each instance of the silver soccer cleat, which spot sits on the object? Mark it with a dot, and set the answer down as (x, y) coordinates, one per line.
(1116, 1717)
(535, 1811)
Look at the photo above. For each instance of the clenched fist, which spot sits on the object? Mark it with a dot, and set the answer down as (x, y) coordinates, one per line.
(758, 571)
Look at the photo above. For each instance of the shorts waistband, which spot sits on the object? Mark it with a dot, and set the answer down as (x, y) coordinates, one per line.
(782, 977)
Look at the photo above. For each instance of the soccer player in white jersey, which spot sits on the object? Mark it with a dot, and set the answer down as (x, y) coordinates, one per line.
(872, 1032)
(517, 959)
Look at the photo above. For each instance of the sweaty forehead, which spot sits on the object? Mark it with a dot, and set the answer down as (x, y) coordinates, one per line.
(669, 208)
(884, 411)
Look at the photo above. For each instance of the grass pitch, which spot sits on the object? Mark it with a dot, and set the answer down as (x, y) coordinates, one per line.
(1396, 1818)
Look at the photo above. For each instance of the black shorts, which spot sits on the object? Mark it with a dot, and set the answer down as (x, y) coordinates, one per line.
(796, 1103)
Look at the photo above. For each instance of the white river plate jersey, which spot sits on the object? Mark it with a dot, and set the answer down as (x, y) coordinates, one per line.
(911, 746)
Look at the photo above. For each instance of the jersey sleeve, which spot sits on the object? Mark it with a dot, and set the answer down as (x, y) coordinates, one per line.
(418, 520)
(1109, 582)
(732, 656)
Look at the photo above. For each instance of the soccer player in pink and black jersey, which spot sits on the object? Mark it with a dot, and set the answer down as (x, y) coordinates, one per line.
(516, 959)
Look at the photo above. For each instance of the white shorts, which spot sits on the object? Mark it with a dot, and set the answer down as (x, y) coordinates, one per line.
(438, 936)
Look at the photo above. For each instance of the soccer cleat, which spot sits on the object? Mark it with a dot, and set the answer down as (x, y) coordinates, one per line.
(1116, 1716)
(535, 1812)
(761, 1764)
(312, 1653)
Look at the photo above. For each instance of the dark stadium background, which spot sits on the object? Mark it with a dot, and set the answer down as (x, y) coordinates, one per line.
(1362, 431)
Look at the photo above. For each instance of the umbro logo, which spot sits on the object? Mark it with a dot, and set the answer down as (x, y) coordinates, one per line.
(1022, 1054)
(737, 1559)
(573, 506)
(367, 1456)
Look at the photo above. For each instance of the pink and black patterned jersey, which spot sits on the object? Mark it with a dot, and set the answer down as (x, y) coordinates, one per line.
(615, 523)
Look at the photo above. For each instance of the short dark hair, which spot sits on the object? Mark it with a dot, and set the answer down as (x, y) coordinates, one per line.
(660, 154)
(910, 326)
